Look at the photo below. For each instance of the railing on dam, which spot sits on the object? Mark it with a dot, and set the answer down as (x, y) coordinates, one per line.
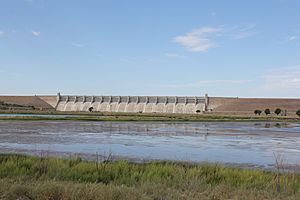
(141, 104)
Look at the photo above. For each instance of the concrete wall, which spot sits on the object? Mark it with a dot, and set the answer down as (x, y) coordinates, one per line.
(51, 100)
(134, 104)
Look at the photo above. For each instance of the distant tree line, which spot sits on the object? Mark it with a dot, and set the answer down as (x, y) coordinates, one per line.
(277, 111)
(298, 113)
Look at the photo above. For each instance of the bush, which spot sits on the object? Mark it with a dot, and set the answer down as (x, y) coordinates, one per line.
(298, 113)
(257, 112)
(277, 111)
(267, 111)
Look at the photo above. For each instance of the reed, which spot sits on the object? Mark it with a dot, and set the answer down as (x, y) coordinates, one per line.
(54, 178)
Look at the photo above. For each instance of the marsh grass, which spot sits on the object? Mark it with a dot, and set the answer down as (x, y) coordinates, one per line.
(147, 117)
(53, 178)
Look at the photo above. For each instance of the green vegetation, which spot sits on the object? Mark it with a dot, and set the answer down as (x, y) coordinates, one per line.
(257, 112)
(91, 109)
(26, 177)
(277, 111)
(298, 112)
(9, 106)
(267, 111)
(155, 118)
(109, 116)
(105, 116)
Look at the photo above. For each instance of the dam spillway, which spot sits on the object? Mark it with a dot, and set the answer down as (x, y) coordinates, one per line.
(133, 104)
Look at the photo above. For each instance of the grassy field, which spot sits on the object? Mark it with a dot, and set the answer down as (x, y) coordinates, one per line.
(8, 106)
(26, 177)
(97, 116)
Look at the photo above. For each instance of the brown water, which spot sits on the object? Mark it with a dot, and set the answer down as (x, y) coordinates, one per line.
(254, 144)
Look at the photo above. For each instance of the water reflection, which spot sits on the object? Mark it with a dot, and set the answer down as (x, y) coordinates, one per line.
(273, 125)
(268, 125)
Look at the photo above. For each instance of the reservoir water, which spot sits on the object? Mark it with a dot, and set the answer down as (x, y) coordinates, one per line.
(253, 144)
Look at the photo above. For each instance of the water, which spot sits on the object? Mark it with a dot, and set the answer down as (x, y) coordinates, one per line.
(242, 143)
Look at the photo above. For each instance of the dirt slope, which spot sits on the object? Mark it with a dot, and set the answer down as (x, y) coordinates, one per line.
(27, 100)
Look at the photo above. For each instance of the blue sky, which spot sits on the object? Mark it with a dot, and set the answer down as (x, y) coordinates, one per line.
(138, 47)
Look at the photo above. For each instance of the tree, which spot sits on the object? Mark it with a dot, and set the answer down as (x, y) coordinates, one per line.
(257, 112)
(267, 111)
(277, 111)
(91, 109)
(298, 113)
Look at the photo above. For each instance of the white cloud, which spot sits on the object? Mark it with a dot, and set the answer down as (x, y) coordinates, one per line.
(213, 14)
(36, 33)
(282, 79)
(242, 35)
(128, 60)
(77, 45)
(174, 55)
(240, 31)
(1, 33)
(202, 83)
(197, 40)
(292, 38)
(203, 39)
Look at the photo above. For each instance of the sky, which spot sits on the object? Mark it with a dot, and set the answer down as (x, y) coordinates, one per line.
(244, 48)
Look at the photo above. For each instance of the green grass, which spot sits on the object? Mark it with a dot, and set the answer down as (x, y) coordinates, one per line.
(85, 116)
(29, 177)
(8, 106)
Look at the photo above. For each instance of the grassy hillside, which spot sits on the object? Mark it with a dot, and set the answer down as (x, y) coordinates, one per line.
(33, 101)
(12, 106)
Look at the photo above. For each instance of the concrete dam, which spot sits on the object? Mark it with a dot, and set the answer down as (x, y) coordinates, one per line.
(156, 104)
(133, 104)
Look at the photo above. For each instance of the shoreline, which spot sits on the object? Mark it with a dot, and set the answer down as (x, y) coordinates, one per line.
(83, 116)
(103, 157)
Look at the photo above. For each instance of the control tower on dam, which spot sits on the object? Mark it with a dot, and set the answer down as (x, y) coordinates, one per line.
(133, 104)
